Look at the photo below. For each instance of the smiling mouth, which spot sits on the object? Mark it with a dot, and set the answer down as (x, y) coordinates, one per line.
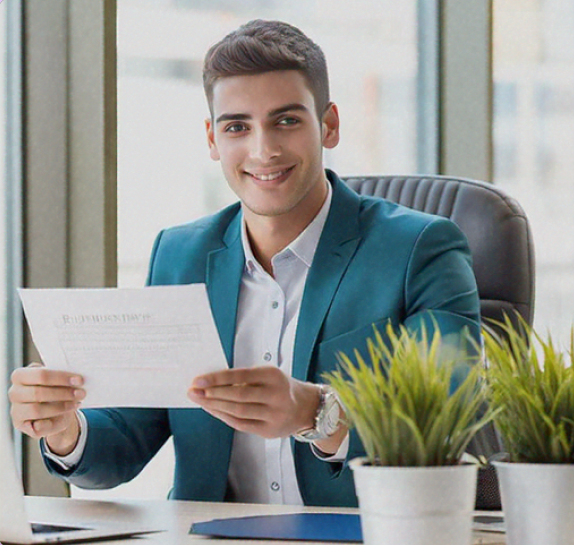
(272, 176)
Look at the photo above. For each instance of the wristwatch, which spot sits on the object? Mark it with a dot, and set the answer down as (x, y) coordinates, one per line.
(326, 419)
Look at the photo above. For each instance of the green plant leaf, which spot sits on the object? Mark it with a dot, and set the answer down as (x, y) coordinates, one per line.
(401, 404)
(531, 388)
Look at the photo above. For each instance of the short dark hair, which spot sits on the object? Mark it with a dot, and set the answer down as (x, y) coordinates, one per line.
(265, 46)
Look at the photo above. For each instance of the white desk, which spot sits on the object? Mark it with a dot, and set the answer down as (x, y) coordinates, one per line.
(175, 517)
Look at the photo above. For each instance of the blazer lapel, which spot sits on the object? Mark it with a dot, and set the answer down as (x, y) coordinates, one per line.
(224, 271)
(336, 247)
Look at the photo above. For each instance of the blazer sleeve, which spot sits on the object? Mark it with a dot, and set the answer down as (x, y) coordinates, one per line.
(120, 442)
(440, 292)
(440, 287)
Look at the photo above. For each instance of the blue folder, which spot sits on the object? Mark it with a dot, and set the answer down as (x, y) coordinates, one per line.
(300, 527)
(309, 527)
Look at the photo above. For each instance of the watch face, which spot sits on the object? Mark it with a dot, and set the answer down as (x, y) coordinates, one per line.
(330, 417)
(333, 417)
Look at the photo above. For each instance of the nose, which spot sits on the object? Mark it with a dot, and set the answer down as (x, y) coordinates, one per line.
(265, 145)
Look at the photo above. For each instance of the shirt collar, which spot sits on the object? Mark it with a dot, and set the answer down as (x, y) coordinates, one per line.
(304, 246)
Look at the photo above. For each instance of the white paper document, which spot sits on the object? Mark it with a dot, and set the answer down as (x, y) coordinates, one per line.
(135, 347)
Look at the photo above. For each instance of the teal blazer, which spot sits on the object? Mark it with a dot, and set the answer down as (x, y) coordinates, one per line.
(376, 262)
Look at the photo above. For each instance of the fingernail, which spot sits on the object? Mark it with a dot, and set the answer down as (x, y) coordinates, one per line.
(196, 392)
(76, 381)
(79, 394)
(200, 383)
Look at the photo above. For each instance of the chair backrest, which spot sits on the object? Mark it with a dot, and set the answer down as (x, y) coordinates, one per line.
(496, 227)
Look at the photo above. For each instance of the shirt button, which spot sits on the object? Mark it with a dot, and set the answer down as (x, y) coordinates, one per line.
(275, 304)
(275, 486)
(267, 356)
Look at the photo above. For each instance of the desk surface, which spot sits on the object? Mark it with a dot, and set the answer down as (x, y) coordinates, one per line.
(174, 517)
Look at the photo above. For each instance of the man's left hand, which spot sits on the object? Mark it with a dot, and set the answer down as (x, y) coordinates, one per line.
(259, 400)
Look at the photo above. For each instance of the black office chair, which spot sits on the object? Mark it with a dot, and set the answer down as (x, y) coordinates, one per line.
(503, 261)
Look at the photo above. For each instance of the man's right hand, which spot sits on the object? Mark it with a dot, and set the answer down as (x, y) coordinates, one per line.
(44, 404)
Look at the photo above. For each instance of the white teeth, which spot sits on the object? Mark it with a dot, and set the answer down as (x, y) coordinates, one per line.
(269, 177)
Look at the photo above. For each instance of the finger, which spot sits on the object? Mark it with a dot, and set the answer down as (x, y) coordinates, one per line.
(40, 411)
(49, 426)
(44, 394)
(36, 375)
(29, 426)
(229, 377)
(242, 393)
(247, 426)
(244, 411)
(28, 429)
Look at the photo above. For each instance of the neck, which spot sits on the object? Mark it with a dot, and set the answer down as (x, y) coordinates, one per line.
(268, 235)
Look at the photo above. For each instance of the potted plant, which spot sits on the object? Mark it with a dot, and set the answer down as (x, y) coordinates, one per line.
(531, 383)
(415, 407)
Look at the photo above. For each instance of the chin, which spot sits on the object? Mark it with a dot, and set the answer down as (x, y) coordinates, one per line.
(267, 212)
(267, 209)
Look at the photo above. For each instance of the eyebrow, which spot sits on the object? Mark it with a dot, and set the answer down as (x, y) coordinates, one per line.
(278, 111)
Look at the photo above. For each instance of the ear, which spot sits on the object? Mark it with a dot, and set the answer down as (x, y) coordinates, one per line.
(330, 126)
(213, 152)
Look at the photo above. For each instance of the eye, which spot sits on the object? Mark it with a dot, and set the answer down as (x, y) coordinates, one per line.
(287, 121)
(235, 128)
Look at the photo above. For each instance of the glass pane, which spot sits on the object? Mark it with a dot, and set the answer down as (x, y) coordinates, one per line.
(534, 139)
(3, 178)
(165, 174)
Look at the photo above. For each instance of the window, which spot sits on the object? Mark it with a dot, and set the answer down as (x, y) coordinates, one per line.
(534, 139)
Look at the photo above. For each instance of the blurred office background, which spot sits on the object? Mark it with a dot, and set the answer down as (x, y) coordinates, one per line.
(483, 89)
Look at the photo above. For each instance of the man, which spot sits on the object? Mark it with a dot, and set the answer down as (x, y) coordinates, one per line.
(299, 269)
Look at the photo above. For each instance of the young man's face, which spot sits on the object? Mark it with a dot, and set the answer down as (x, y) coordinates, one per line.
(267, 136)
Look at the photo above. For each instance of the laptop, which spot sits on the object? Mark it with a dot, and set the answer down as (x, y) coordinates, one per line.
(16, 528)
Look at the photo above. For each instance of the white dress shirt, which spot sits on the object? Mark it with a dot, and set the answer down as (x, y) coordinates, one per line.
(262, 470)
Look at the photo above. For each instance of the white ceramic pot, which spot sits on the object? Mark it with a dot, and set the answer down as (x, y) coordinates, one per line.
(538, 502)
(415, 505)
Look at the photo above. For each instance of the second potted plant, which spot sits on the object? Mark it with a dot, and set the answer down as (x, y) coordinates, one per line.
(415, 410)
(531, 383)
